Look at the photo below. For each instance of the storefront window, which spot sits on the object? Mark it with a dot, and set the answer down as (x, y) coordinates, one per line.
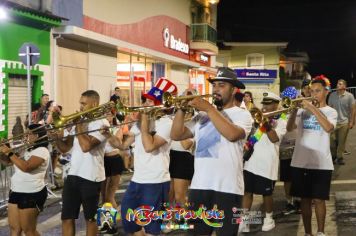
(135, 75)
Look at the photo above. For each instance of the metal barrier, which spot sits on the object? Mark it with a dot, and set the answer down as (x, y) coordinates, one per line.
(5, 176)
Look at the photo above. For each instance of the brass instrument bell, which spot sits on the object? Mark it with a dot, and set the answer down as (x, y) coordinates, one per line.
(296, 103)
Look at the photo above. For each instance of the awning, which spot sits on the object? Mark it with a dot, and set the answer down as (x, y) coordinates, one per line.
(80, 34)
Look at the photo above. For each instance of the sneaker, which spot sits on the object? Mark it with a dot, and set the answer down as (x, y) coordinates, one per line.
(268, 224)
(290, 209)
(347, 152)
(320, 234)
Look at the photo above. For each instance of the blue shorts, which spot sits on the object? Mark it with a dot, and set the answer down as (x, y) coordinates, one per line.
(138, 195)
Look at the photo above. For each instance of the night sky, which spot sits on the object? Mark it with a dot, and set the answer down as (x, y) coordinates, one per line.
(326, 30)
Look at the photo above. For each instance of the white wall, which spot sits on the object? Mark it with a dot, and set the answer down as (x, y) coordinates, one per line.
(131, 11)
(47, 80)
(179, 76)
(102, 63)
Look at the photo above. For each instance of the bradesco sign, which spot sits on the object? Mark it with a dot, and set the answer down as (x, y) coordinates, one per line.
(174, 43)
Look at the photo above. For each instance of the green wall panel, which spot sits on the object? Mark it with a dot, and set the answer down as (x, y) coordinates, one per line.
(13, 35)
(17, 68)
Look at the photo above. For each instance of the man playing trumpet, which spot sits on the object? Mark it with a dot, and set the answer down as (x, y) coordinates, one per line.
(218, 165)
(261, 169)
(151, 180)
(312, 162)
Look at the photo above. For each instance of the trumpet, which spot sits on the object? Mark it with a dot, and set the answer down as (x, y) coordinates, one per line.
(297, 103)
(169, 100)
(155, 112)
(259, 117)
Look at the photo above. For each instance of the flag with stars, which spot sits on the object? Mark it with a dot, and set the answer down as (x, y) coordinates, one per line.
(162, 85)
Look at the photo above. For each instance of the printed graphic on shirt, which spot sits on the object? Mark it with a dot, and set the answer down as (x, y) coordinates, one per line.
(209, 139)
(310, 122)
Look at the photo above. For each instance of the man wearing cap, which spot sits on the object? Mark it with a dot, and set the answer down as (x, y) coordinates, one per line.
(261, 169)
(218, 165)
(150, 183)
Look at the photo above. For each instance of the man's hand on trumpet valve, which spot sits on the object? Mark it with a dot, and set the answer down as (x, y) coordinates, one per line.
(307, 105)
(200, 104)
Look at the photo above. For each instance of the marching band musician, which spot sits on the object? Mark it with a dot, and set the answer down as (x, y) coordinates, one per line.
(261, 168)
(218, 165)
(28, 191)
(312, 162)
(113, 162)
(151, 180)
(82, 185)
(181, 166)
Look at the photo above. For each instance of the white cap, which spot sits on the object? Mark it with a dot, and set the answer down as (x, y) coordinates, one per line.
(269, 97)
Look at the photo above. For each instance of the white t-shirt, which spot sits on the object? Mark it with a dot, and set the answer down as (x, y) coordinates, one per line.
(218, 163)
(265, 157)
(33, 181)
(108, 147)
(177, 146)
(90, 165)
(312, 147)
(151, 168)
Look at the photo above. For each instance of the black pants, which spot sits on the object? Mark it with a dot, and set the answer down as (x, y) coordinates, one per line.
(78, 191)
(223, 201)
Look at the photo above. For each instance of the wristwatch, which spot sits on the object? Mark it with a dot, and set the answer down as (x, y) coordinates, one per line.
(10, 154)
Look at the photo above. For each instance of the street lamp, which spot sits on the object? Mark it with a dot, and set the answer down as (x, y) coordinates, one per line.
(3, 14)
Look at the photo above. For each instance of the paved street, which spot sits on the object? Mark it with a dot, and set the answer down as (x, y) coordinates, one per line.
(340, 220)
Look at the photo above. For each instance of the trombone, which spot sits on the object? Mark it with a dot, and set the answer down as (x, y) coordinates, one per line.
(26, 144)
(95, 113)
(90, 114)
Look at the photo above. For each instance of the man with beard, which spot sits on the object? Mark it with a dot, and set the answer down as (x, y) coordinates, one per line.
(218, 165)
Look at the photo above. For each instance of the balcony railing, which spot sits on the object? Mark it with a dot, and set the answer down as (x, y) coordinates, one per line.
(203, 33)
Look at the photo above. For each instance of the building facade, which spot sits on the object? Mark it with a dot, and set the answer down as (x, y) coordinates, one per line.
(130, 44)
(293, 69)
(18, 26)
(256, 65)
